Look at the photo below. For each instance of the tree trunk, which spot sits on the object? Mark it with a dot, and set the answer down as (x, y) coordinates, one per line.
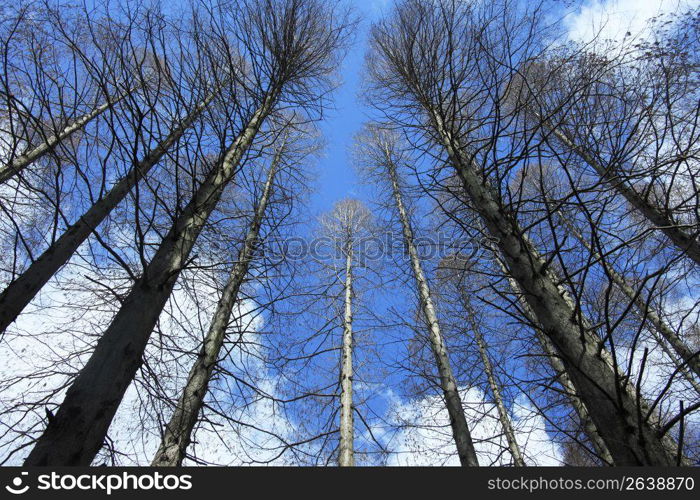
(178, 431)
(21, 162)
(660, 328)
(458, 421)
(503, 416)
(561, 375)
(589, 427)
(22, 290)
(614, 406)
(346, 453)
(686, 243)
(76, 433)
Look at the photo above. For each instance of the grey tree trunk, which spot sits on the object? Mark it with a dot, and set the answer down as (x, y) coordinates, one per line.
(453, 401)
(19, 163)
(346, 449)
(503, 415)
(685, 242)
(76, 433)
(178, 431)
(589, 427)
(614, 406)
(22, 290)
(562, 376)
(689, 358)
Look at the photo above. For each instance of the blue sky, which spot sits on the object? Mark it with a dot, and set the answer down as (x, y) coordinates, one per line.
(336, 176)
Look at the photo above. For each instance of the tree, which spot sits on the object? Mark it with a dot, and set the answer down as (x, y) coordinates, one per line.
(379, 152)
(627, 114)
(178, 430)
(429, 55)
(149, 113)
(542, 184)
(293, 48)
(53, 37)
(346, 226)
(25, 287)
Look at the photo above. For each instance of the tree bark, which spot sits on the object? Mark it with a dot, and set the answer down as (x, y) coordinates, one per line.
(450, 390)
(589, 427)
(76, 433)
(346, 452)
(614, 406)
(561, 374)
(178, 431)
(22, 290)
(21, 162)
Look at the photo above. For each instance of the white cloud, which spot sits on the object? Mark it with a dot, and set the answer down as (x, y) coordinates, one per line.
(263, 428)
(44, 339)
(425, 438)
(658, 370)
(612, 19)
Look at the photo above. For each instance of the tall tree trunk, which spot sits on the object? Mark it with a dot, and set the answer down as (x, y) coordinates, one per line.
(22, 290)
(686, 243)
(178, 431)
(659, 327)
(19, 163)
(76, 433)
(458, 421)
(503, 416)
(561, 374)
(589, 427)
(615, 407)
(346, 452)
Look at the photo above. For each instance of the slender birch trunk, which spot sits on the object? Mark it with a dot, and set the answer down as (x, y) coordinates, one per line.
(561, 375)
(614, 406)
(22, 290)
(686, 243)
(503, 415)
(15, 166)
(453, 401)
(346, 452)
(659, 326)
(178, 431)
(76, 433)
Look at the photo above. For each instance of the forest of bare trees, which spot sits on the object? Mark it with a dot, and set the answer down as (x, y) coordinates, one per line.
(516, 282)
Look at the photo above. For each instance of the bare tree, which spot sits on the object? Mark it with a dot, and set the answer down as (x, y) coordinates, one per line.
(494, 384)
(15, 166)
(522, 291)
(25, 287)
(55, 36)
(428, 55)
(379, 151)
(178, 430)
(346, 225)
(627, 111)
(453, 270)
(664, 333)
(561, 372)
(147, 112)
(541, 183)
(295, 43)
